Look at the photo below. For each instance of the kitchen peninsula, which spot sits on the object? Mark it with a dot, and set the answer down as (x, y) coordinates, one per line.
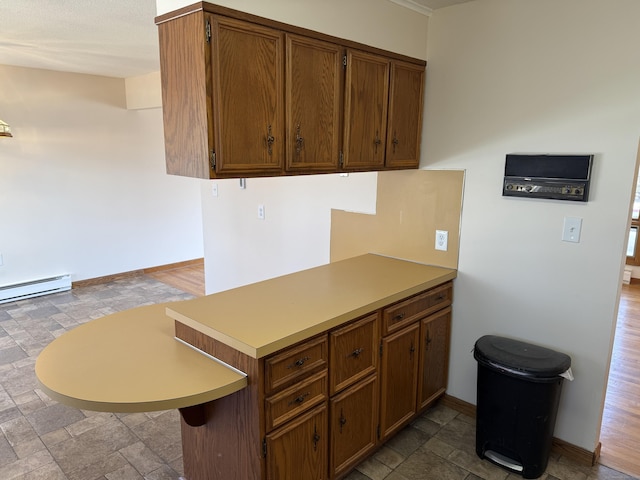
(302, 376)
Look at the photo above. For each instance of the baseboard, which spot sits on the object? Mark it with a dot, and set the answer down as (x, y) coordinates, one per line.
(135, 273)
(559, 447)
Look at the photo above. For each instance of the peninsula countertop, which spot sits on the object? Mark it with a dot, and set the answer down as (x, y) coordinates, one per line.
(130, 362)
(264, 317)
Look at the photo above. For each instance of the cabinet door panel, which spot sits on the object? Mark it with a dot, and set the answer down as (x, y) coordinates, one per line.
(248, 99)
(405, 115)
(299, 449)
(434, 360)
(314, 102)
(399, 378)
(353, 424)
(365, 110)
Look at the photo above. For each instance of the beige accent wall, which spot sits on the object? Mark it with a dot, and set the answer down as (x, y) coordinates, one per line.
(411, 206)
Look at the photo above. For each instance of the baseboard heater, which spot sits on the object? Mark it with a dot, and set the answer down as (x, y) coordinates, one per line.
(35, 288)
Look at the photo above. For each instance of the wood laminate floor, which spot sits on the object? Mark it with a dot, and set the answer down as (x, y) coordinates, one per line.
(620, 434)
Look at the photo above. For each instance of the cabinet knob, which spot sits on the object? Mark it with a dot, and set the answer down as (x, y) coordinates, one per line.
(356, 353)
(299, 399)
(395, 142)
(299, 362)
(398, 317)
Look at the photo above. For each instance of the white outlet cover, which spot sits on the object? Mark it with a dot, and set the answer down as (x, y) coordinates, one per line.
(442, 240)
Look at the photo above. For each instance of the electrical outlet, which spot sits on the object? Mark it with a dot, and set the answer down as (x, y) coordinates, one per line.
(442, 240)
(214, 189)
(261, 212)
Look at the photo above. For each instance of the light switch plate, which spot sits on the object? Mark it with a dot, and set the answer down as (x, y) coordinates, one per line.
(571, 229)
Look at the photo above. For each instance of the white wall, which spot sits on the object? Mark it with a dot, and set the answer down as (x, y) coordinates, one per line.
(520, 76)
(241, 249)
(83, 188)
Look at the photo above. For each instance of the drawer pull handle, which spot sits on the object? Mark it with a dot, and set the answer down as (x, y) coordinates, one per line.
(299, 362)
(440, 296)
(270, 140)
(299, 399)
(398, 317)
(356, 353)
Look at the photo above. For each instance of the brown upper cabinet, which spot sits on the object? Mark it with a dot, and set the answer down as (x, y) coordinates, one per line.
(244, 96)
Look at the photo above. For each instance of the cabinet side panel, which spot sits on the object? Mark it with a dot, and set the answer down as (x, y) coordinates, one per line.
(229, 445)
(184, 83)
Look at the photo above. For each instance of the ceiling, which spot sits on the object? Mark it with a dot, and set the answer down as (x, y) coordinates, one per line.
(116, 38)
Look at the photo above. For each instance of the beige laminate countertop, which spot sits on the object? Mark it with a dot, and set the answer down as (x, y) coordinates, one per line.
(131, 362)
(264, 317)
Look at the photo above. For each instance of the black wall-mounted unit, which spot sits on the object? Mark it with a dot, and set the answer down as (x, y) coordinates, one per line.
(559, 177)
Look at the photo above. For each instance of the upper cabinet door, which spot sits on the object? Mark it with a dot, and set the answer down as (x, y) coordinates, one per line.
(365, 111)
(405, 115)
(248, 110)
(314, 79)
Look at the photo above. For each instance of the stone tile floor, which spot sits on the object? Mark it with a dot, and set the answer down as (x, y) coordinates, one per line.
(41, 439)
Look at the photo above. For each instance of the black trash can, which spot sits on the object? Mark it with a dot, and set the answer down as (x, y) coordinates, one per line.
(519, 388)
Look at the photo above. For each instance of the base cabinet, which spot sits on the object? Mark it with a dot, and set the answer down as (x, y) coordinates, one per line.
(299, 449)
(316, 409)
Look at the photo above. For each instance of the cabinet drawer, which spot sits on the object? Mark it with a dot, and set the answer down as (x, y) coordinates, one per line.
(401, 314)
(295, 363)
(353, 352)
(283, 406)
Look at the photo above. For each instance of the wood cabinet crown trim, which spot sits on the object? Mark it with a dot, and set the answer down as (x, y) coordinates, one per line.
(285, 27)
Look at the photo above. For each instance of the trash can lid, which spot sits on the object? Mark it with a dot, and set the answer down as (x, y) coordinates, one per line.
(520, 358)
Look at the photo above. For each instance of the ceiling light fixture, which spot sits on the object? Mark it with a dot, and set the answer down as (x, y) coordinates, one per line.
(5, 130)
